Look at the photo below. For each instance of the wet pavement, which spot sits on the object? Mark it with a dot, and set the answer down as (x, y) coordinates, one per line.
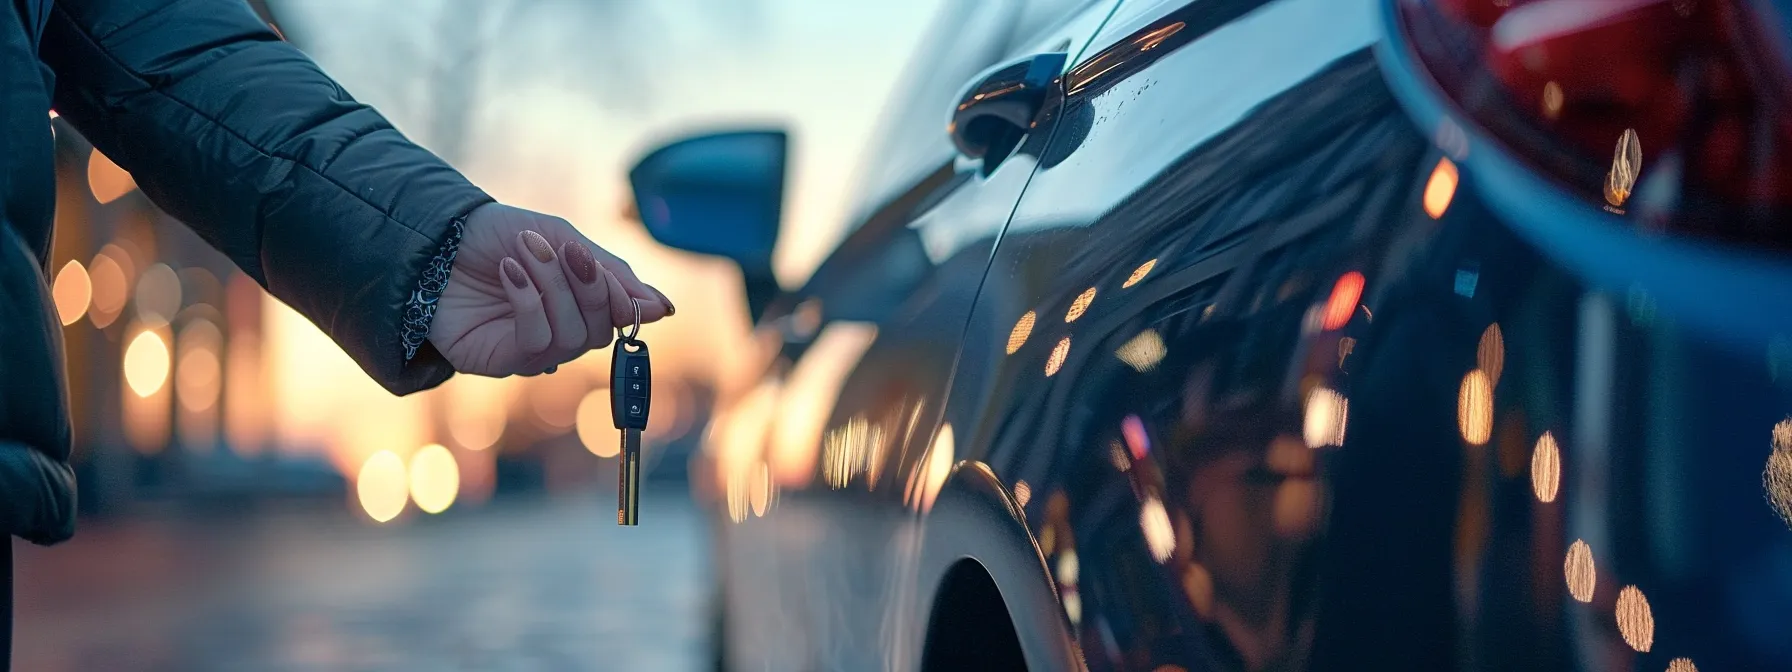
(541, 585)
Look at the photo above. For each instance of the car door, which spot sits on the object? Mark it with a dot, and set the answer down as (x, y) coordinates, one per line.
(1152, 374)
(816, 540)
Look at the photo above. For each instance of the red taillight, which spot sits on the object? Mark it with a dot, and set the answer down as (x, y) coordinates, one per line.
(1685, 102)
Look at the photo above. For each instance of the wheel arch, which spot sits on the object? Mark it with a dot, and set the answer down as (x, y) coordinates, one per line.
(975, 533)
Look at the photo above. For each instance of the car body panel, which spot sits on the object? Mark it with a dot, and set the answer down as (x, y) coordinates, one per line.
(1278, 365)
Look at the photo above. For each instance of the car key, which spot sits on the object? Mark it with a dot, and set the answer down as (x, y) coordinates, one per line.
(630, 391)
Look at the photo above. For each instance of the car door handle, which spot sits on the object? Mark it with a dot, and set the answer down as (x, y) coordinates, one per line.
(1002, 103)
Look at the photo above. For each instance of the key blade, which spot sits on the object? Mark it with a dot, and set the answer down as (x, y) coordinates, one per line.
(628, 477)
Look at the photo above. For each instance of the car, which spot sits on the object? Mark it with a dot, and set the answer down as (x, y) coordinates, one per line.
(1273, 334)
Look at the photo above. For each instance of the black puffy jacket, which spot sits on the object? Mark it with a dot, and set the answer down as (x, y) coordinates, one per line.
(239, 135)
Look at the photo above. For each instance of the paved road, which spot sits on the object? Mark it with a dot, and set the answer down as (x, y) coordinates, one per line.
(523, 586)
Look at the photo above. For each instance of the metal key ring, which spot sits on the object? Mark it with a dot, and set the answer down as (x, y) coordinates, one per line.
(636, 329)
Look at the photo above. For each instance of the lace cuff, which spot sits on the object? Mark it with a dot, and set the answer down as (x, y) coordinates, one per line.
(421, 309)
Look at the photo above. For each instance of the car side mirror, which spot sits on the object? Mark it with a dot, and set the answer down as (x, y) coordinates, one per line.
(720, 194)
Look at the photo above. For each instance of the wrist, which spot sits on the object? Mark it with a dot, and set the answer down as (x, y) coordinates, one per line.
(420, 310)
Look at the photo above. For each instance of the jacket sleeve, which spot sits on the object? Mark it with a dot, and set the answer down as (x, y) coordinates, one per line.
(38, 503)
(238, 134)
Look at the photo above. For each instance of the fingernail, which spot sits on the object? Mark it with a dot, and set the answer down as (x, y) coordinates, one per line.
(538, 246)
(515, 273)
(670, 309)
(584, 266)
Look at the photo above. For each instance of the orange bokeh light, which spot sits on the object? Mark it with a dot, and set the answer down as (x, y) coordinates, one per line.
(1343, 301)
(1441, 188)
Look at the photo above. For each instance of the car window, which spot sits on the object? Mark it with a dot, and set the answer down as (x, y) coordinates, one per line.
(1037, 16)
(965, 38)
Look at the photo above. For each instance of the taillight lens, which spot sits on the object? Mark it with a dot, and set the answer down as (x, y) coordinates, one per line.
(1677, 113)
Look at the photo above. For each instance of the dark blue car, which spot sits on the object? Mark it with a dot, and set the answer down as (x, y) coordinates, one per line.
(1274, 335)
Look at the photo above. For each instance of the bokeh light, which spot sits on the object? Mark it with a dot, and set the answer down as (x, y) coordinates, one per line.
(1490, 353)
(1139, 273)
(106, 180)
(479, 409)
(1295, 508)
(147, 397)
(1635, 622)
(1578, 568)
(1197, 583)
(1441, 188)
(1022, 329)
(555, 399)
(597, 430)
(1138, 441)
(73, 290)
(1056, 361)
(1776, 477)
(1474, 408)
(110, 287)
(1327, 418)
(1154, 521)
(736, 489)
(1143, 352)
(939, 465)
(199, 373)
(1080, 305)
(759, 490)
(1546, 468)
(146, 363)
(382, 486)
(434, 478)
(1627, 165)
(1341, 305)
(808, 399)
(1552, 100)
(158, 295)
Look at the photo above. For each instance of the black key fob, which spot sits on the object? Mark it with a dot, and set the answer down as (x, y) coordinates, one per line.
(630, 384)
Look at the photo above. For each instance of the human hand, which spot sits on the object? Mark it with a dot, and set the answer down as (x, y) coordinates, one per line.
(528, 292)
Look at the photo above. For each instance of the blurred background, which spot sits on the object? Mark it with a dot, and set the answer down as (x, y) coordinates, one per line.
(252, 501)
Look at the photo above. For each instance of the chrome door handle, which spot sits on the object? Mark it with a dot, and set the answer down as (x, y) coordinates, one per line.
(1003, 102)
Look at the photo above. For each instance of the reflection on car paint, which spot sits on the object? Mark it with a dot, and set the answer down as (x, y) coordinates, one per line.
(1139, 273)
(1474, 408)
(1627, 163)
(1635, 622)
(1143, 352)
(1546, 468)
(1059, 353)
(1441, 188)
(1080, 305)
(1776, 478)
(1023, 328)
(1580, 571)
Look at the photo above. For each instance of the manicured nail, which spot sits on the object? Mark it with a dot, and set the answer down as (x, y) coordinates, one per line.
(670, 309)
(538, 246)
(584, 266)
(515, 273)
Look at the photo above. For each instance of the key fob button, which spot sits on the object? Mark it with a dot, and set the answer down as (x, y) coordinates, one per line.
(635, 387)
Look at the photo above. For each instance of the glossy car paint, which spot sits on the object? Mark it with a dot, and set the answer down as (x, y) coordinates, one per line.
(1277, 363)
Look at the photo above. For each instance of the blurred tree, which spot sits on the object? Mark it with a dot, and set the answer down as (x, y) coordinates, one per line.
(440, 65)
